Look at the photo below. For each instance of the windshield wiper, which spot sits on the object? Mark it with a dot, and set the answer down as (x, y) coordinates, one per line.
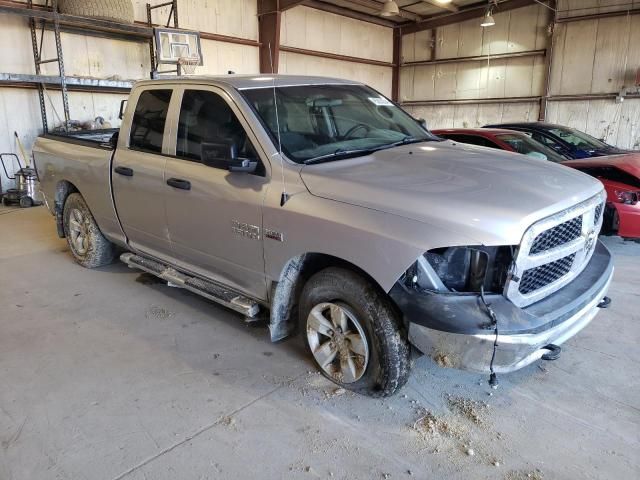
(339, 153)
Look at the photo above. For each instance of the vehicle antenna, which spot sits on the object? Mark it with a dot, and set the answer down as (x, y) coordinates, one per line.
(285, 196)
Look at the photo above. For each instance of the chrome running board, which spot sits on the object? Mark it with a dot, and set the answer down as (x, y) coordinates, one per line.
(205, 288)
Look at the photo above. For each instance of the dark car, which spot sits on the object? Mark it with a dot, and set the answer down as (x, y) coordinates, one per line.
(568, 142)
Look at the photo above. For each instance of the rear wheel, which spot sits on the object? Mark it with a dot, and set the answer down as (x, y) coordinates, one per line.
(89, 247)
(353, 333)
(26, 202)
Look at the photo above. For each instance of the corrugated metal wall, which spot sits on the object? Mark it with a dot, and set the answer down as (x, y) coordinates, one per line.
(596, 57)
(590, 57)
(90, 56)
(516, 31)
(311, 29)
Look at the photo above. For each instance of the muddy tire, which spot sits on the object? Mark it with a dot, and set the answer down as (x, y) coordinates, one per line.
(353, 333)
(88, 246)
(116, 10)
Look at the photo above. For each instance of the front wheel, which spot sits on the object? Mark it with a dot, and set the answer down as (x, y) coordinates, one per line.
(89, 247)
(353, 333)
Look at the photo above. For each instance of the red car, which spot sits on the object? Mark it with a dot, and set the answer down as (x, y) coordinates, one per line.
(620, 174)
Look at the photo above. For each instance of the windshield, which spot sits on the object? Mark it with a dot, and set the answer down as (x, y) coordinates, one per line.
(527, 146)
(318, 122)
(579, 139)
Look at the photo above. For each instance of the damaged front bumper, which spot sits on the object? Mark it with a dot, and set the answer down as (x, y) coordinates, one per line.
(455, 330)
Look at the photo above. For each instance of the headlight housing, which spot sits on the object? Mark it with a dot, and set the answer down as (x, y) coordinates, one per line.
(464, 269)
(628, 198)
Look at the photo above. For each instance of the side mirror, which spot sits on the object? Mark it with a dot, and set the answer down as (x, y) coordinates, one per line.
(243, 165)
(225, 156)
(122, 106)
(113, 141)
(422, 122)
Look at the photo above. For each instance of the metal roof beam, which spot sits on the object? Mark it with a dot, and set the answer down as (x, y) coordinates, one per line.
(476, 11)
(414, 17)
(346, 12)
(445, 6)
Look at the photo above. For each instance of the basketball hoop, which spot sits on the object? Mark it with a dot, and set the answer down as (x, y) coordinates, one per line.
(189, 64)
(178, 47)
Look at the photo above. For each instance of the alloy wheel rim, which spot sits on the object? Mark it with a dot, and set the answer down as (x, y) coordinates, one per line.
(338, 342)
(79, 232)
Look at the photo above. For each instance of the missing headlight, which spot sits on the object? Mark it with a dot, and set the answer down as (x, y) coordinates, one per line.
(467, 269)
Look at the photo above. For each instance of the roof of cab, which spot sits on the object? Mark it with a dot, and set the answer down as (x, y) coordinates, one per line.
(245, 82)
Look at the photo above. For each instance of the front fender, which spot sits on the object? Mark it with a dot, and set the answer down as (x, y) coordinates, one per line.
(381, 244)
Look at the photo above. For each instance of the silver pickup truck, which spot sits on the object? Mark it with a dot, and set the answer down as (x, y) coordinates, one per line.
(323, 203)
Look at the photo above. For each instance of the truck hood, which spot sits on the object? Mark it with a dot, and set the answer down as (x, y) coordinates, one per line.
(489, 196)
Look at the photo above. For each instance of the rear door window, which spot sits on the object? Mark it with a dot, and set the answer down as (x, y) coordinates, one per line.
(149, 118)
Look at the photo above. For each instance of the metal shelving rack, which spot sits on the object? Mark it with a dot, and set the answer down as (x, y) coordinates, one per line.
(46, 17)
(38, 61)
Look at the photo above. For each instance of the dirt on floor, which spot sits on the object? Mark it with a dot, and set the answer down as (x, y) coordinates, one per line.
(109, 378)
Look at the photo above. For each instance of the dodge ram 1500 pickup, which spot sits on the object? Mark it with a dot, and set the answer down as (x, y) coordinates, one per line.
(326, 205)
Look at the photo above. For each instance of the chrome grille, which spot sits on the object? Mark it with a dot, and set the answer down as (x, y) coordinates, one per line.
(554, 251)
(598, 214)
(538, 277)
(559, 235)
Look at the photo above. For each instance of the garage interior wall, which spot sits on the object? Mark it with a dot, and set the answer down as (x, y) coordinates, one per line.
(106, 58)
(458, 75)
(315, 30)
(597, 58)
(591, 58)
(468, 93)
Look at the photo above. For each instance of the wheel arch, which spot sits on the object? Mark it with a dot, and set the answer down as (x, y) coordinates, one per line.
(64, 188)
(285, 292)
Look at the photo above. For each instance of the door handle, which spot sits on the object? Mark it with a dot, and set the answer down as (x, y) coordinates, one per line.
(179, 183)
(126, 171)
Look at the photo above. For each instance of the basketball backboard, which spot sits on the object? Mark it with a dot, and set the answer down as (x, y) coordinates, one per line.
(175, 46)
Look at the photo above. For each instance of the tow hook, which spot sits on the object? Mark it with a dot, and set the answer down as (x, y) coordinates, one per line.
(554, 352)
(604, 303)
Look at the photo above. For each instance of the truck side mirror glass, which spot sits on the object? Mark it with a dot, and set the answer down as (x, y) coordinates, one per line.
(218, 154)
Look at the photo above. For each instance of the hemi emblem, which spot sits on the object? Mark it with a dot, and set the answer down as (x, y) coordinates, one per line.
(273, 235)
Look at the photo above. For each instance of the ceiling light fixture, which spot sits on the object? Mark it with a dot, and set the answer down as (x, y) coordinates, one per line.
(488, 20)
(390, 9)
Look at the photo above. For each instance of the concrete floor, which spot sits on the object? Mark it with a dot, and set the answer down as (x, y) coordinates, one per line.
(106, 374)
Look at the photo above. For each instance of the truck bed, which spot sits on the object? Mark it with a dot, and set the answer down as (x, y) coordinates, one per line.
(90, 138)
(80, 161)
